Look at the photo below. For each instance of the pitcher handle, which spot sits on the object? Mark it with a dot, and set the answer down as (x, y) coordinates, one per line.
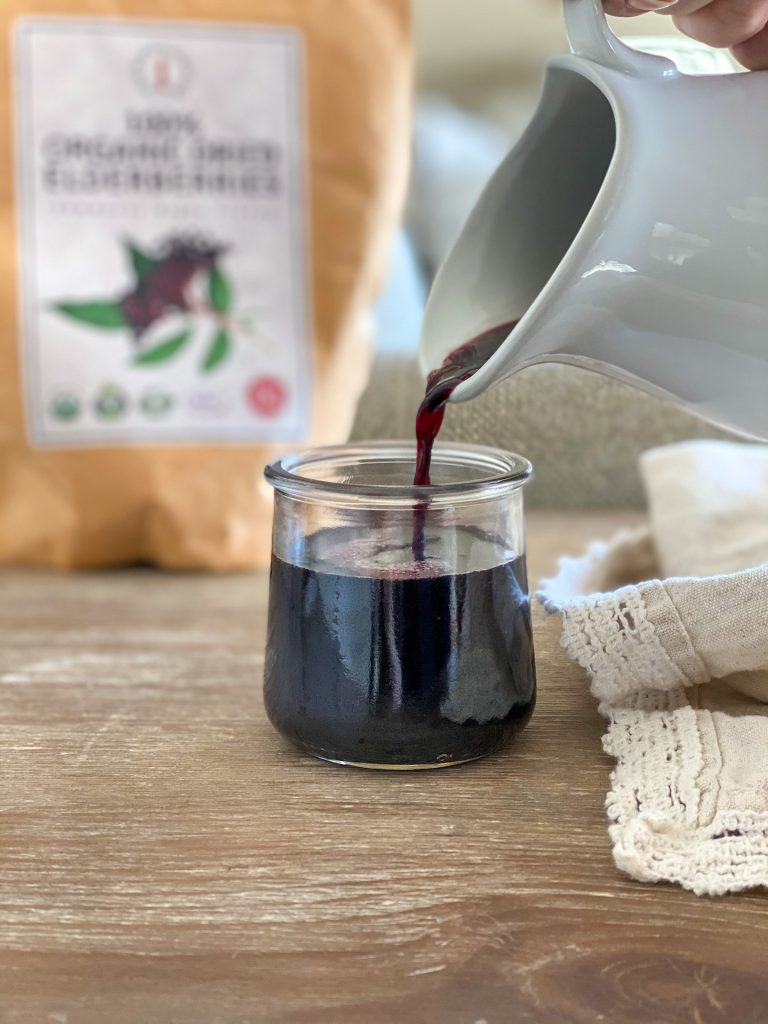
(590, 36)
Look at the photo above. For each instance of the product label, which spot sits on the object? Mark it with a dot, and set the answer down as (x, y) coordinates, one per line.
(162, 231)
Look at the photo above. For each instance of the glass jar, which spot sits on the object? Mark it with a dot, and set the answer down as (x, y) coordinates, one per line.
(399, 631)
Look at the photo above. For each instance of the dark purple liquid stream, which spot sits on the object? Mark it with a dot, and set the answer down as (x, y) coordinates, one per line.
(459, 365)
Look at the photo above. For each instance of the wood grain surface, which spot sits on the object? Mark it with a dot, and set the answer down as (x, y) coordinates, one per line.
(166, 857)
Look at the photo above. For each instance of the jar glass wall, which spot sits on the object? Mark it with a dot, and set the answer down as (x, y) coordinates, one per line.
(399, 631)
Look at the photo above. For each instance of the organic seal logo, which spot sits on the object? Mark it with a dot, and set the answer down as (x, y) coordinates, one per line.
(110, 403)
(162, 71)
(156, 403)
(65, 406)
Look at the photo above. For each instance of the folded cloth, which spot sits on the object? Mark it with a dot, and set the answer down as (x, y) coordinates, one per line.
(680, 667)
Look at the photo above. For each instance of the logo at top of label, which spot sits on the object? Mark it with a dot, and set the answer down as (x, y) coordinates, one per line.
(162, 71)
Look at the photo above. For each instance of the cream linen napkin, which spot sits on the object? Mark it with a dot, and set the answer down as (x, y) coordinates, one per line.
(680, 667)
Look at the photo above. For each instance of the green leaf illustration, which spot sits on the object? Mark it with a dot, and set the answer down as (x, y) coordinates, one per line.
(219, 291)
(142, 264)
(218, 351)
(163, 350)
(101, 314)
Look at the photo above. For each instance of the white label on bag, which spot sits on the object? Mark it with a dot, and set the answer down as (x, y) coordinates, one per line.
(162, 225)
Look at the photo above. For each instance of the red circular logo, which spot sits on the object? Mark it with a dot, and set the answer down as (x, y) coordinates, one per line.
(267, 396)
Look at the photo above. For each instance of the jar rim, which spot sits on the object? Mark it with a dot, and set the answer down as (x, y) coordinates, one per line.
(506, 472)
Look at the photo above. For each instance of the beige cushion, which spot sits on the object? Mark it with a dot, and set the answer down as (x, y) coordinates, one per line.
(583, 432)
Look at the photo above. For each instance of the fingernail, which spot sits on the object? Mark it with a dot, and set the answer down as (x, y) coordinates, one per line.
(651, 5)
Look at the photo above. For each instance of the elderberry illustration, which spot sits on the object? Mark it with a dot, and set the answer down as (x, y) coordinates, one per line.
(165, 283)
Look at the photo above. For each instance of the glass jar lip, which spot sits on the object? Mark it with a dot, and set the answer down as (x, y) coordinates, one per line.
(507, 472)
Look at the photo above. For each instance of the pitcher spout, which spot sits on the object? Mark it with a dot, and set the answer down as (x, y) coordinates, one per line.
(524, 224)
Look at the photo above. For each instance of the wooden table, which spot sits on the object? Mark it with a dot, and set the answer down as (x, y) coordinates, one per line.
(165, 857)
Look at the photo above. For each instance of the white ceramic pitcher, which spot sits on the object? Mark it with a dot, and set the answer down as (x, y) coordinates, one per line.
(627, 231)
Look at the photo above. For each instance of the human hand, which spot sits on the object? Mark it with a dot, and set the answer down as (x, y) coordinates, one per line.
(741, 25)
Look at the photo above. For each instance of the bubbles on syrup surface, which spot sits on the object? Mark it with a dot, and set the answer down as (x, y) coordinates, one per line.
(377, 559)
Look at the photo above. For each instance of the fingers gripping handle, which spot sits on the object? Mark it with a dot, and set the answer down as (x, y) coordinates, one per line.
(590, 36)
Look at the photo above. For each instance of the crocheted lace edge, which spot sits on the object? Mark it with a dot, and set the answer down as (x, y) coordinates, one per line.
(655, 802)
(659, 829)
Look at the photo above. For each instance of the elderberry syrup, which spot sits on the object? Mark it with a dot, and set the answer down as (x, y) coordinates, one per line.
(375, 659)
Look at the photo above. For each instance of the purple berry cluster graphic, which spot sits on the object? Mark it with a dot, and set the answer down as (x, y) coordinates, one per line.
(163, 286)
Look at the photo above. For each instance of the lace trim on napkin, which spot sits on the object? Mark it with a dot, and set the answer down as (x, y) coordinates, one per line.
(662, 806)
(664, 825)
(610, 634)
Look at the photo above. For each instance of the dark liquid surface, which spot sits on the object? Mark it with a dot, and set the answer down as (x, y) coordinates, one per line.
(405, 666)
(458, 366)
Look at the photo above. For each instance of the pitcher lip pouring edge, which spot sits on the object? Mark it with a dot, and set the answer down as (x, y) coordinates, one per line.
(600, 77)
